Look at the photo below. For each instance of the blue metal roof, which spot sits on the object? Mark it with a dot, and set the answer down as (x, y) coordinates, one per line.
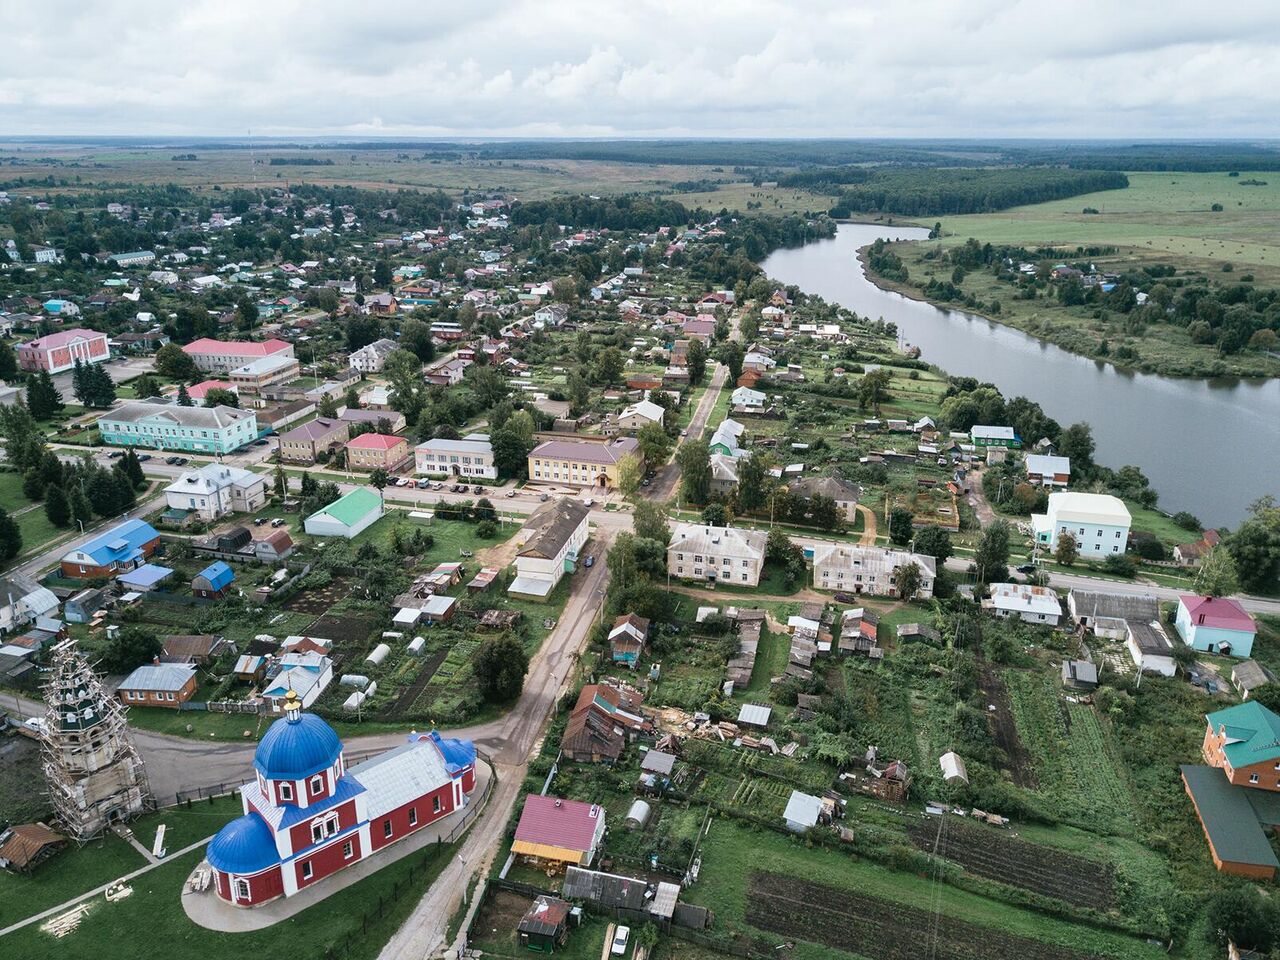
(147, 575)
(245, 845)
(219, 574)
(297, 747)
(348, 787)
(119, 543)
(457, 753)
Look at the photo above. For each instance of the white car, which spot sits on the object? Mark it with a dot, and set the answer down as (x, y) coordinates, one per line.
(620, 939)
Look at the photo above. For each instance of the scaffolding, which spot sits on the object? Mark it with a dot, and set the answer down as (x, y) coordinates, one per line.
(93, 772)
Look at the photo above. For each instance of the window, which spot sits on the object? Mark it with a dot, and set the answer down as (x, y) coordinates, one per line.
(317, 784)
(317, 831)
(306, 870)
(435, 804)
(285, 790)
(242, 889)
(348, 850)
(1253, 778)
(386, 828)
(413, 816)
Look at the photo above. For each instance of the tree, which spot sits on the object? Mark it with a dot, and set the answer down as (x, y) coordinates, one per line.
(1067, 551)
(654, 444)
(403, 371)
(362, 330)
(382, 273)
(279, 482)
(327, 407)
(1076, 443)
(1216, 575)
(579, 391)
(715, 515)
(43, 399)
(909, 579)
(630, 472)
(873, 389)
(132, 469)
(901, 526)
(131, 647)
(379, 479)
(8, 363)
(79, 382)
(145, 386)
(649, 521)
(489, 386)
(934, 542)
(694, 459)
(499, 667)
(81, 510)
(57, 507)
(731, 355)
(101, 389)
(609, 366)
(1244, 916)
(510, 450)
(184, 398)
(173, 362)
(992, 557)
(1119, 565)
(753, 472)
(696, 361)
(1255, 546)
(415, 336)
(823, 512)
(10, 536)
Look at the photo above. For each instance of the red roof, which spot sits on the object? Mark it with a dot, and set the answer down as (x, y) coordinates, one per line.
(204, 386)
(558, 823)
(62, 338)
(1220, 612)
(238, 348)
(375, 441)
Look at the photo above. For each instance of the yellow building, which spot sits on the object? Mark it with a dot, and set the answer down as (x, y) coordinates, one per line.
(581, 463)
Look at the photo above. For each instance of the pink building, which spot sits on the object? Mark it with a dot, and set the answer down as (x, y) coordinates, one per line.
(223, 356)
(308, 815)
(60, 351)
(201, 389)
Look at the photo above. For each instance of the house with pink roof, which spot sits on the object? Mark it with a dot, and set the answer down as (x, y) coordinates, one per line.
(558, 831)
(1216, 625)
(201, 389)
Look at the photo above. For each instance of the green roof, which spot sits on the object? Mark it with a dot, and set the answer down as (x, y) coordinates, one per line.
(1254, 729)
(1229, 819)
(351, 508)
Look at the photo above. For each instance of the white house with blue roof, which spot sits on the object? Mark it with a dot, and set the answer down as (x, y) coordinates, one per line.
(307, 815)
(123, 547)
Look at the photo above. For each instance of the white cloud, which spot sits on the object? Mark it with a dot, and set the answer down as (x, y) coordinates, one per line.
(642, 67)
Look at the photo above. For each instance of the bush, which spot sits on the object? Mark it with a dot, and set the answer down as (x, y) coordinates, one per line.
(486, 529)
(1119, 565)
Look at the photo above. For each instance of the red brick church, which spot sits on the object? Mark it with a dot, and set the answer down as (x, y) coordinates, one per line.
(307, 815)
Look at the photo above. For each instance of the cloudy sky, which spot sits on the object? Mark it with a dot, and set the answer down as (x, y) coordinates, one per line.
(844, 68)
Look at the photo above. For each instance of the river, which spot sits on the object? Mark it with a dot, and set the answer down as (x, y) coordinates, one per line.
(1209, 446)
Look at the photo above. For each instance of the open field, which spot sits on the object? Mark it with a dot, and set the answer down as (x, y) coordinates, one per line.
(744, 196)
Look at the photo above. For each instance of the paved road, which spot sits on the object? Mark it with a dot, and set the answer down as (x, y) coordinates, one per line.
(664, 484)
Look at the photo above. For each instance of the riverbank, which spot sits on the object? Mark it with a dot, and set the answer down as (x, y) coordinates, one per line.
(1076, 330)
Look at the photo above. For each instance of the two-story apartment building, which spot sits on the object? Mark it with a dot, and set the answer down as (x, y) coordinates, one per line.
(167, 426)
(550, 541)
(256, 375)
(373, 451)
(472, 456)
(372, 357)
(304, 444)
(581, 463)
(223, 356)
(718, 554)
(1099, 522)
(60, 351)
(855, 568)
(216, 490)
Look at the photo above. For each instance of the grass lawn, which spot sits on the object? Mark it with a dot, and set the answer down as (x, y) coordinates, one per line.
(11, 496)
(187, 824)
(1159, 525)
(771, 660)
(585, 941)
(37, 531)
(71, 873)
(204, 725)
(152, 924)
(731, 852)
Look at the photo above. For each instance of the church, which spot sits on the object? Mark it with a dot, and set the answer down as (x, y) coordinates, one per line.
(307, 815)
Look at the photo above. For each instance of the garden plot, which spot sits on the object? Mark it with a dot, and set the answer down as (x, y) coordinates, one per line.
(998, 856)
(344, 629)
(318, 600)
(1003, 729)
(868, 926)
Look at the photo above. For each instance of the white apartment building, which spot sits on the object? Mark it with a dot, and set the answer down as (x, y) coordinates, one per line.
(551, 539)
(216, 490)
(472, 456)
(854, 568)
(1098, 521)
(718, 554)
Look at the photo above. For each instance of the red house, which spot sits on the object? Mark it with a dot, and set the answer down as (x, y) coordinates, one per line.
(307, 815)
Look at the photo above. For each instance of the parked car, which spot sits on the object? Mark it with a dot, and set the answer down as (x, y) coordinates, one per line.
(115, 454)
(260, 442)
(846, 598)
(278, 522)
(477, 490)
(1026, 568)
(510, 493)
(173, 461)
(259, 521)
(620, 939)
(423, 484)
(589, 562)
(144, 457)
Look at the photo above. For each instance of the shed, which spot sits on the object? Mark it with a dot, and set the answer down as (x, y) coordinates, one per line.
(638, 815)
(439, 608)
(754, 715)
(545, 927)
(145, 578)
(407, 617)
(1080, 674)
(803, 811)
(655, 761)
(380, 653)
(214, 580)
(663, 904)
(1248, 676)
(26, 845)
(953, 770)
(250, 668)
(606, 889)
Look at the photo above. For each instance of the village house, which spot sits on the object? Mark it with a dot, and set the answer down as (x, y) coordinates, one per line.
(372, 357)
(549, 544)
(1046, 471)
(196, 648)
(214, 581)
(580, 462)
(1099, 522)
(845, 493)
(23, 600)
(1105, 614)
(373, 451)
(303, 674)
(983, 436)
(559, 832)
(60, 351)
(639, 415)
(1190, 554)
(158, 685)
(868, 569)
(472, 456)
(1216, 625)
(627, 639)
(733, 555)
(606, 718)
(125, 546)
(216, 490)
(1025, 602)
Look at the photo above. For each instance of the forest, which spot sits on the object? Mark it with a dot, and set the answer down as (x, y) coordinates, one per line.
(939, 192)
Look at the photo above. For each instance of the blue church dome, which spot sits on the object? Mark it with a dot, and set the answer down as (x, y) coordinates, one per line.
(297, 746)
(245, 845)
(457, 753)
